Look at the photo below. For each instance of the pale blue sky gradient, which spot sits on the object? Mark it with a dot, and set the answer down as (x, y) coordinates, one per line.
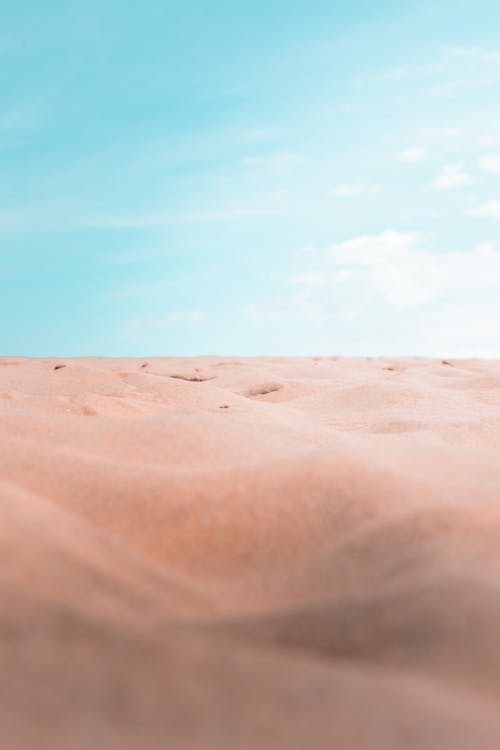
(250, 178)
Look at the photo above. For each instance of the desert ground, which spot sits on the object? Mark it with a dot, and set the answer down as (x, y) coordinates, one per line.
(249, 554)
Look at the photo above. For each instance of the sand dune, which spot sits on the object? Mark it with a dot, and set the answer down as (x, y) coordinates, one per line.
(249, 554)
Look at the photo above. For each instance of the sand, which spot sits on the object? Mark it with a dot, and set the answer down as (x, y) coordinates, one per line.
(249, 554)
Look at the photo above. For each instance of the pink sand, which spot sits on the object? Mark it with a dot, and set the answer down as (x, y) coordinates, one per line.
(272, 554)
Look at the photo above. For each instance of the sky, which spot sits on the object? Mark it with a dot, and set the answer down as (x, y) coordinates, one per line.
(280, 177)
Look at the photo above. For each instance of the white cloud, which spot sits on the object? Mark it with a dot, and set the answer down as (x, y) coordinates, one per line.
(443, 133)
(178, 317)
(452, 176)
(490, 163)
(174, 318)
(158, 220)
(473, 54)
(444, 91)
(302, 308)
(487, 139)
(466, 330)
(310, 278)
(274, 164)
(394, 269)
(412, 155)
(490, 209)
(394, 292)
(397, 73)
(347, 190)
(354, 190)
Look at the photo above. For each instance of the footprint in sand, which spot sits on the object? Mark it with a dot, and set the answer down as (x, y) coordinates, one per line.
(197, 378)
(264, 389)
(394, 368)
(86, 411)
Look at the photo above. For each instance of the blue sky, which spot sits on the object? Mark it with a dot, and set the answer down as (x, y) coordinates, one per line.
(263, 178)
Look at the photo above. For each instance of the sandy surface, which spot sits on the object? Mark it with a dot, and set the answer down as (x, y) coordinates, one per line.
(249, 554)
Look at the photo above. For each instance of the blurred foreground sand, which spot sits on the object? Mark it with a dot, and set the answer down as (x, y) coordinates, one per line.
(262, 554)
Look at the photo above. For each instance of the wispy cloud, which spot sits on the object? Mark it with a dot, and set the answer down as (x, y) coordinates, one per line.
(473, 55)
(490, 163)
(396, 73)
(353, 189)
(302, 308)
(167, 219)
(347, 190)
(452, 176)
(444, 133)
(281, 163)
(310, 278)
(166, 321)
(489, 209)
(412, 155)
(24, 118)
